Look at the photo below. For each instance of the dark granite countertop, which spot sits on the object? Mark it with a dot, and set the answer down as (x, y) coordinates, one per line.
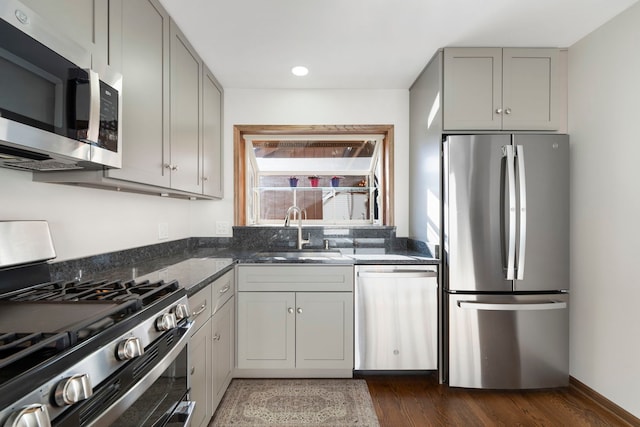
(194, 269)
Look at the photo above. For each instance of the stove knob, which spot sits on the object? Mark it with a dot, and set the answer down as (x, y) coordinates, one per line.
(181, 311)
(129, 349)
(33, 415)
(73, 389)
(166, 322)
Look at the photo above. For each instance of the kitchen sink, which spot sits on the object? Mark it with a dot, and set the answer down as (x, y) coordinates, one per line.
(301, 254)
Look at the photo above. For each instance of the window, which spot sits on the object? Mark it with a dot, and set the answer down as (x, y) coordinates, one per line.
(335, 175)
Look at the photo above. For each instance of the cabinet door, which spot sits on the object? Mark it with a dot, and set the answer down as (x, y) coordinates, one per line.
(266, 330)
(530, 89)
(200, 370)
(145, 93)
(222, 344)
(324, 330)
(212, 166)
(184, 113)
(472, 88)
(75, 18)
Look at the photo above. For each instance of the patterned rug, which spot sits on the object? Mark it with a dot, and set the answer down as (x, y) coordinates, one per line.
(295, 402)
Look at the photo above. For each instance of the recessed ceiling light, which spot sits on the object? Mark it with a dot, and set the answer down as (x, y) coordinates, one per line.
(299, 70)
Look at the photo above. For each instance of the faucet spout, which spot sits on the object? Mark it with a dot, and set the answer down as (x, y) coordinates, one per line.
(297, 212)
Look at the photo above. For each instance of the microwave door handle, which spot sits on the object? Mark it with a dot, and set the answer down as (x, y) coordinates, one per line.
(507, 151)
(94, 106)
(523, 212)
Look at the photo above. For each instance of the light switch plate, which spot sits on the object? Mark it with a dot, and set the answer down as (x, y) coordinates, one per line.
(223, 228)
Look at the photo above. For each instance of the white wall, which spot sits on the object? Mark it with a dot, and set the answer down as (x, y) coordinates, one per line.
(604, 113)
(86, 221)
(310, 107)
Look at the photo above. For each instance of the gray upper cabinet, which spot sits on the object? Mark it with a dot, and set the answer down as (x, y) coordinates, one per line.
(171, 104)
(212, 166)
(185, 107)
(145, 94)
(75, 18)
(501, 89)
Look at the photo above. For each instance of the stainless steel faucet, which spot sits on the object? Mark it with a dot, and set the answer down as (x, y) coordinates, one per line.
(287, 218)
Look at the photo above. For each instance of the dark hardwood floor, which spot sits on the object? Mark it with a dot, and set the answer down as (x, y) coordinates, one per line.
(418, 400)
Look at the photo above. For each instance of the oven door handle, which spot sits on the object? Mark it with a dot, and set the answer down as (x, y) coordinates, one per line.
(112, 413)
(182, 414)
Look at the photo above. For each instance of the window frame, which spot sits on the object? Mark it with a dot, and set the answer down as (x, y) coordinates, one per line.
(240, 167)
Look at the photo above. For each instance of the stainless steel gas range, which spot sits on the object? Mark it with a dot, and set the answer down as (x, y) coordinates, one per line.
(91, 353)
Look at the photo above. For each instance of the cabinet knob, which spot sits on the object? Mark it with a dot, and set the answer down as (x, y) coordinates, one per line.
(290, 310)
(299, 310)
(216, 337)
(498, 110)
(507, 111)
(174, 167)
(205, 179)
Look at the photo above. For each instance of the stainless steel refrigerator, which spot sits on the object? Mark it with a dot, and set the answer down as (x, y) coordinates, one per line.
(505, 261)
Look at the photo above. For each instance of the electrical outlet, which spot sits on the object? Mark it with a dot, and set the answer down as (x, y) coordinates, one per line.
(163, 230)
(223, 228)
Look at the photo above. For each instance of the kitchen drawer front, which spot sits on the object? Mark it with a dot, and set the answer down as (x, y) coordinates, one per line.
(223, 289)
(200, 306)
(295, 278)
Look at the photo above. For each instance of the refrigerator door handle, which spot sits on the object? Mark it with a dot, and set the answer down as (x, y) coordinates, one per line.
(523, 213)
(546, 305)
(507, 151)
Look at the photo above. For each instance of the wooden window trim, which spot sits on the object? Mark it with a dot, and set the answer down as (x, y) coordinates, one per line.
(240, 188)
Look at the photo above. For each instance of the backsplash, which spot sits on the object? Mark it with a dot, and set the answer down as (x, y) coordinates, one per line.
(245, 239)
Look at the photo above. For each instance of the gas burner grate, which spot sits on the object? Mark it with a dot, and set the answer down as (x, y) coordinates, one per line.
(108, 291)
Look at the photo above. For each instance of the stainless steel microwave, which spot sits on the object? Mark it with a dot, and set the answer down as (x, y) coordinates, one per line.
(55, 112)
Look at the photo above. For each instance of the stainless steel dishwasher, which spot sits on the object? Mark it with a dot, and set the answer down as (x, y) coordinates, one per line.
(396, 317)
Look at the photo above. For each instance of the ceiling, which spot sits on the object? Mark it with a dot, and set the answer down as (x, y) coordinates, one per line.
(367, 44)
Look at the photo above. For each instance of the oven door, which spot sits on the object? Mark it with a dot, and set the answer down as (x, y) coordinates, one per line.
(151, 390)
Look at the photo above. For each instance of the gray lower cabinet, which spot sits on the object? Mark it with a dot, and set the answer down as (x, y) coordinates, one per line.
(201, 374)
(295, 321)
(212, 346)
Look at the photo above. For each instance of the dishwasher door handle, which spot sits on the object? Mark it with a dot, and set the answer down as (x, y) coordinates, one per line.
(398, 274)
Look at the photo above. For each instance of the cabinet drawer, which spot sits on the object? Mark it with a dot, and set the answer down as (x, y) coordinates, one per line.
(200, 305)
(295, 278)
(223, 289)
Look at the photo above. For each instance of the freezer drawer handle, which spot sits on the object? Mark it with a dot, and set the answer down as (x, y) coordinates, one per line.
(550, 305)
(398, 273)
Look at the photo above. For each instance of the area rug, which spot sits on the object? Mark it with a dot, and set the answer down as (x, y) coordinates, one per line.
(295, 402)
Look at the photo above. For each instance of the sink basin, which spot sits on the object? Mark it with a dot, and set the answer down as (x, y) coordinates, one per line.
(304, 253)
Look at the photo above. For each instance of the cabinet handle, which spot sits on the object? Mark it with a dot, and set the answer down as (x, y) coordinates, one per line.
(507, 111)
(193, 370)
(203, 307)
(224, 290)
(290, 310)
(167, 166)
(299, 310)
(171, 167)
(174, 167)
(498, 110)
(205, 179)
(216, 337)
